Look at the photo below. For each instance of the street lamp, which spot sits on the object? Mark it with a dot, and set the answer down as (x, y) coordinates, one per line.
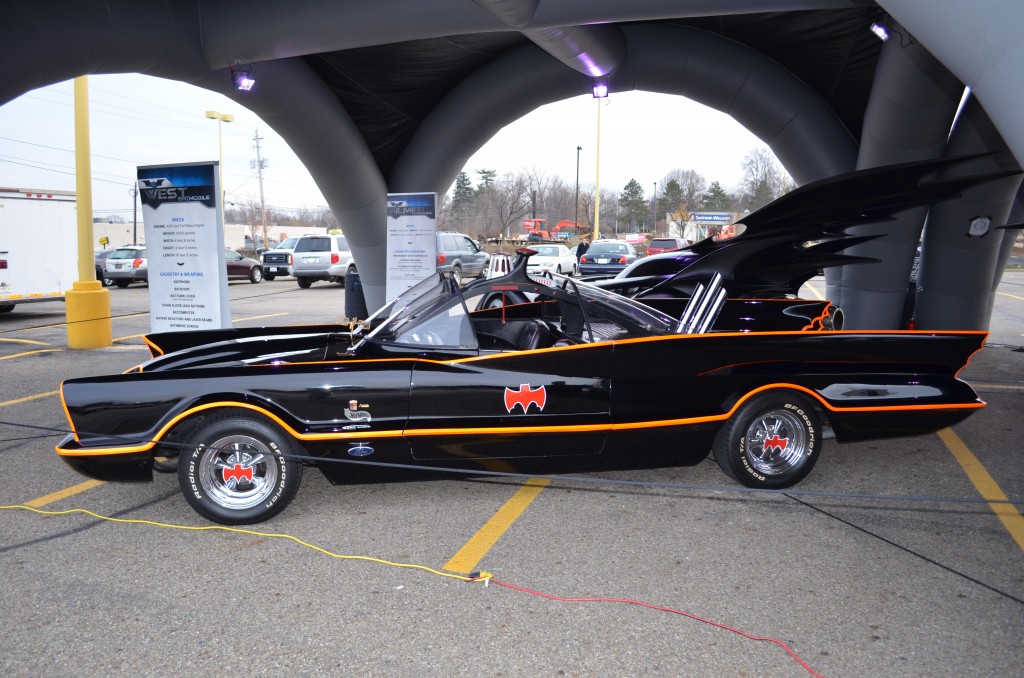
(220, 118)
(576, 219)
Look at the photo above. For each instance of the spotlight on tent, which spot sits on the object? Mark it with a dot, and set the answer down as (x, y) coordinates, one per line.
(242, 77)
(600, 90)
(881, 31)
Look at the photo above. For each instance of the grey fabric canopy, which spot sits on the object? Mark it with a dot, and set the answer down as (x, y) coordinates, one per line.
(396, 95)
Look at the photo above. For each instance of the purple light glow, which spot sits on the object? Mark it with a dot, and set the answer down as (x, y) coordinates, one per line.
(600, 91)
(243, 80)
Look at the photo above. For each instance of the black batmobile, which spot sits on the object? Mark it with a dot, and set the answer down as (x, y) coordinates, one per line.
(570, 373)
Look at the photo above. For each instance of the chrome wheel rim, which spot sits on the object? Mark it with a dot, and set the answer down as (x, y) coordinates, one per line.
(776, 442)
(238, 472)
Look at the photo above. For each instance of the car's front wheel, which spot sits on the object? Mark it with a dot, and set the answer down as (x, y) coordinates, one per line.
(237, 470)
(255, 274)
(771, 442)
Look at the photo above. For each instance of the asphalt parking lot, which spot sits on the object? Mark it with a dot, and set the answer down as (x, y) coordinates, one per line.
(885, 561)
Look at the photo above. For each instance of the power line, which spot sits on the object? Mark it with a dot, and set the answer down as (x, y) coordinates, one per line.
(68, 150)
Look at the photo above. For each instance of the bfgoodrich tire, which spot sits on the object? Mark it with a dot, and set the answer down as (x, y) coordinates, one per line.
(771, 442)
(234, 472)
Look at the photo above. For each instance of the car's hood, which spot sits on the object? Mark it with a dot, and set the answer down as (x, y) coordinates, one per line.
(250, 346)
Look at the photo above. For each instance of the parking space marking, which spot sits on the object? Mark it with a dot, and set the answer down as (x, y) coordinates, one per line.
(257, 317)
(64, 494)
(814, 291)
(1012, 296)
(25, 353)
(27, 398)
(1003, 387)
(50, 327)
(986, 485)
(26, 341)
(130, 336)
(466, 560)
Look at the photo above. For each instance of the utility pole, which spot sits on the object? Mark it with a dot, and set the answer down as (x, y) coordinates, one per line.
(260, 163)
(134, 190)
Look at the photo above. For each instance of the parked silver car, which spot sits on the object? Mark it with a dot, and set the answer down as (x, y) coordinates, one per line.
(321, 257)
(127, 265)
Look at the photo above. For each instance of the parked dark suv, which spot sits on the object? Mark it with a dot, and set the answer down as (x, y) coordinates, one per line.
(458, 253)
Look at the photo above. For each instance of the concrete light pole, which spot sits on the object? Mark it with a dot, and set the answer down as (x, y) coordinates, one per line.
(220, 118)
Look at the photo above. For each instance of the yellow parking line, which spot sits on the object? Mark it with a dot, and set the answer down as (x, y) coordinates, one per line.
(20, 355)
(257, 317)
(130, 336)
(26, 341)
(64, 494)
(1005, 387)
(465, 561)
(815, 291)
(27, 398)
(1012, 296)
(1011, 518)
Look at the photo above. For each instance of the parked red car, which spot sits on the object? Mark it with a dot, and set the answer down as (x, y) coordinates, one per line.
(659, 245)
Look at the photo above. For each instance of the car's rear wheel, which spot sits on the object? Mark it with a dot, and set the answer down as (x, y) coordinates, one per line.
(255, 274)
(107, 282)
(269, 276)
(237, 471)
(457, 274)
(122, 283)
(305, 283)
(771, 442)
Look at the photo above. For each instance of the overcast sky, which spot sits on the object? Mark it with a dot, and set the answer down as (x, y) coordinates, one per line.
(139, 120)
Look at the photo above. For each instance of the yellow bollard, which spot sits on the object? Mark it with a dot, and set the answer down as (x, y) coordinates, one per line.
(88, 315)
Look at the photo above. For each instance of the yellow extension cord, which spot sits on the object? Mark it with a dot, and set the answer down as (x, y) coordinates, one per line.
(482, 576)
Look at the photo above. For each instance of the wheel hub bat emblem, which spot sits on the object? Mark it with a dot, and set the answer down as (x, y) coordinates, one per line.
(238, 473)
(776, 442)
(525, 396)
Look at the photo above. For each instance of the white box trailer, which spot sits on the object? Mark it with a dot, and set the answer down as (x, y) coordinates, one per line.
(38, 245)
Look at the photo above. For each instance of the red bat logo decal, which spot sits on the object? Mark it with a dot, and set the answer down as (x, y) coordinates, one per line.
(776, 441)
(238, 472)
(525, 396)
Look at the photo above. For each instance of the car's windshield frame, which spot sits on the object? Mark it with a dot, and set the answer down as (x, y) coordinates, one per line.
(439, 293)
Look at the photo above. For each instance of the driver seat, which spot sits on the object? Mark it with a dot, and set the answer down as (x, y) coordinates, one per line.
(535, 335)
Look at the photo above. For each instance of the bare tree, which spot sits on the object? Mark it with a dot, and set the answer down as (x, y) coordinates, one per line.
(506, 200)
(609, 209)
(764, 179)
(691, 184)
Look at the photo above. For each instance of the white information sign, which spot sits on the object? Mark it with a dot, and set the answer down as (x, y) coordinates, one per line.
(188, 284)
(412, 240)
